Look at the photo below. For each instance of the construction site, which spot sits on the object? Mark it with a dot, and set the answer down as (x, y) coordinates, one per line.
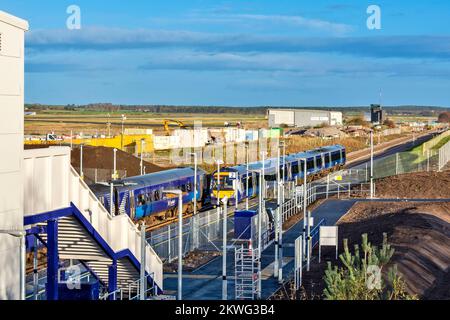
(282, 205)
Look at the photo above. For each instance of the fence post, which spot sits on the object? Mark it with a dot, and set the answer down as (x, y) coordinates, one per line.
(396, 163)
(169, 249)
(328, 183)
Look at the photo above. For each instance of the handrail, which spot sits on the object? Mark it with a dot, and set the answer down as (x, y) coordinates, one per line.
(130, 226)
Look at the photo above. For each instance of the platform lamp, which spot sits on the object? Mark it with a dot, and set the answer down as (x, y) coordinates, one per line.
(123, 121)
(142, 156)
(81, 162)
(219, 162)
(180, 239)
(195, 155)
(224, 250)
(247, 172)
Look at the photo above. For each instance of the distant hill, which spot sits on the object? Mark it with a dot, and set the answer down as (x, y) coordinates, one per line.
(108, 107)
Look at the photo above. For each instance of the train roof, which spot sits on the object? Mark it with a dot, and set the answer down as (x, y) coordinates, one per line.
(154, 178)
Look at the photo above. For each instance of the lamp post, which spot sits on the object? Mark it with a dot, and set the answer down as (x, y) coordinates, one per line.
(261, 211)
(143, 285)
(224, 250)
(246, 185)
(114, 174)
(195, 181)
(123, 121)
(81, 162)
(259, 226)
(21, 234)
(180, 240)
(277, 217)
(142, 156)
(371, 164)
(219, 162)
(280, 217)
(305, 196)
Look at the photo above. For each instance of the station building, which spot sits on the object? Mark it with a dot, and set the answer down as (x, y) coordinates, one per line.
(12, 32)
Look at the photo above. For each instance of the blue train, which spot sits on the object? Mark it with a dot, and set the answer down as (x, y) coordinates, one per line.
(233, 180)
(143, 197)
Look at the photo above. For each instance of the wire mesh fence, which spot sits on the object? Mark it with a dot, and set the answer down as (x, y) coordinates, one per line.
(204, 231)
(96, 175)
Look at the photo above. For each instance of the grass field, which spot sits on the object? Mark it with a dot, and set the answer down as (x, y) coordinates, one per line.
(62, 122)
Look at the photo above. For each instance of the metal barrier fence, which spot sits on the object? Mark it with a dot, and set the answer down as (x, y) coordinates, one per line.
(95, 175)
(204, 230)
(430, 143)
(444, 156)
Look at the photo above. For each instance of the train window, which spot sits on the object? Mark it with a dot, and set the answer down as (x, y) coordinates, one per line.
(183, 188)
(327, 158)
(319, 161)
(294, 168)
(250, 182)
(335, 156)
(157, 195)
(141, 200)
(188, 186)
(310, 164)
(343, 154)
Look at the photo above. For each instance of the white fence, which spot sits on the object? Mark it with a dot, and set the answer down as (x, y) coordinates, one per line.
(444, 155)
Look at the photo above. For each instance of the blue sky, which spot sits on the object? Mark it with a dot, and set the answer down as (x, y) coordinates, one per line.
(240, 53)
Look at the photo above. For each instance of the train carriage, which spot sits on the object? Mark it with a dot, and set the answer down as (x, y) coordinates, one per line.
(233, 180)
(143, 196)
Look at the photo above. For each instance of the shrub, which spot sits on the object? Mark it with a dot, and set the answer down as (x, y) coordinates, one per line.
(357, 121)
(389, 123)
(355, 280)
(444, 117)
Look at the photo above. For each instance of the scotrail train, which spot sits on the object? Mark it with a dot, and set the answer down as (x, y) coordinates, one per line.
(143, 196)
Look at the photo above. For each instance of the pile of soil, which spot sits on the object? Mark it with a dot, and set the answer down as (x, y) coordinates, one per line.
(418, 185)
(192, 261)
(419, 232)
(103, 158)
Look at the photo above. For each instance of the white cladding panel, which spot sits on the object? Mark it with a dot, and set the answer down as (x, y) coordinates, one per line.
(46, 177)
(11, 140)
(335, 118)
(286, 117)
(11, 117)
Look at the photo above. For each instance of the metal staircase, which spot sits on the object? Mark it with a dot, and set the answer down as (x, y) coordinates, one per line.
(84, 229)
(247, 264)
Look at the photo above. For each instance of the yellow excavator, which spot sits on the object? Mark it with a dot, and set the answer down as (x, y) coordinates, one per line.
(166, 123)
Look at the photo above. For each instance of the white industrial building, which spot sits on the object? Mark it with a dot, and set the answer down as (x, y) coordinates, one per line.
(12, 32)
(303, 118)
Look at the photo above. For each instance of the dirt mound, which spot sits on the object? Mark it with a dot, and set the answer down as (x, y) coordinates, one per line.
(103, 158)
(420, 234)
(420, 185)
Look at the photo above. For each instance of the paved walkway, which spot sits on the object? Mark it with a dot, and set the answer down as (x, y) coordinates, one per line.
(205, 283)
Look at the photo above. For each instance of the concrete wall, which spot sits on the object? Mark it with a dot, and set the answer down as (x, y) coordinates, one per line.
(11, 139)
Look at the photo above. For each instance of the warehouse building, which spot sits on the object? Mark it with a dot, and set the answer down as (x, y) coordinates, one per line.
(299, 118)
